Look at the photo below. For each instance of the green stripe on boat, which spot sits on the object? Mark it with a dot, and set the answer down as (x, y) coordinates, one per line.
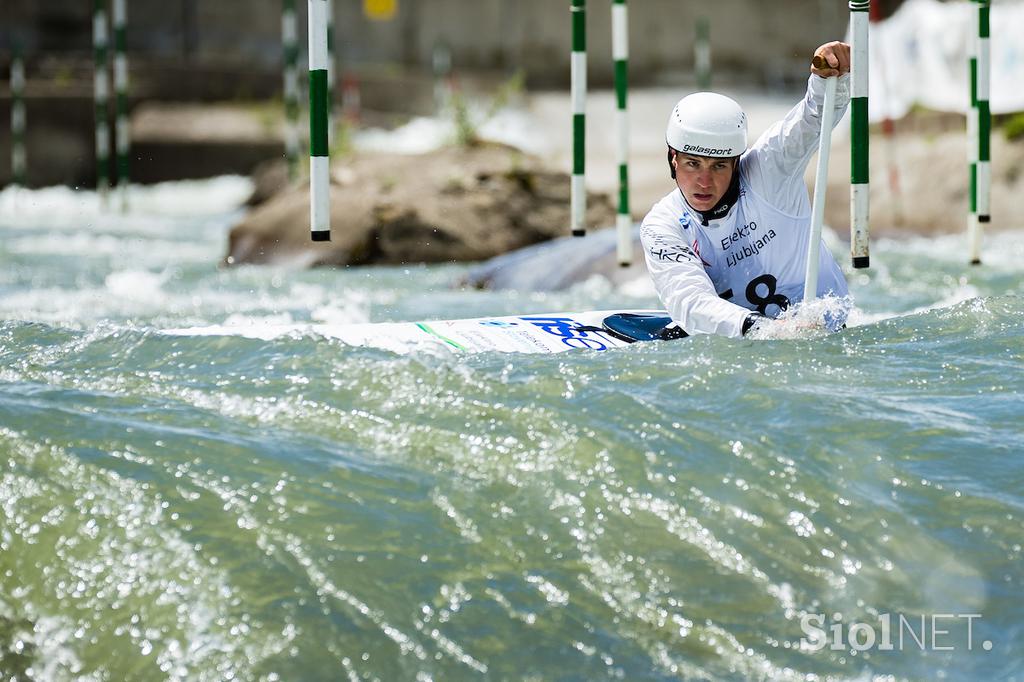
(430, 331)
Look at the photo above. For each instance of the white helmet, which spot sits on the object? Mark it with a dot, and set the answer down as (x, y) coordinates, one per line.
(707, 124)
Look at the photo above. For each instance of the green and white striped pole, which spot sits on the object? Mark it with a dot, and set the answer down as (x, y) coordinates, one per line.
(702, 54)
(290, 41)
(319, 159)
(979, 127)
(18, 156)
(859, 183)
(101, 95)
(578, 65)
(620, 53)
(441, 64)
(121, 89)
(332, 70)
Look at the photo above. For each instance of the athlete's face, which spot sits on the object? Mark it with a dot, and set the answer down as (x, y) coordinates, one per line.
(703, 180)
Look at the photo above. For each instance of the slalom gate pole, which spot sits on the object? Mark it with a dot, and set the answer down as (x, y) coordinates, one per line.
(888, 127)
(859, 176)
(121, 131)
(979, 127)
(351, 99)
(441, 65)
(332, 72)
(101, 95)
(578, 199)
(290, 41)
(620, 54)
(702, 54)
(820, 186)
(319, 151)
(18, 156)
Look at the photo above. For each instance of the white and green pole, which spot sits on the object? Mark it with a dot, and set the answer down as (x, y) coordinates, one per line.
(122, 141)
(859, 183)
(319, 106)
(441, 63)
(702, 54)
(290, 42)
(18, 156)
(578, 64)
(979, 130)
(101, 95)
(620, 53)
(332, 70)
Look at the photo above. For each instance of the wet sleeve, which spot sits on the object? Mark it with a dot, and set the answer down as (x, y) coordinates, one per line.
(774, 167)
(684, 287)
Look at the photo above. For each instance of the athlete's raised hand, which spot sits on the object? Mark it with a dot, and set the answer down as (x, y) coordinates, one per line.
(831, 59)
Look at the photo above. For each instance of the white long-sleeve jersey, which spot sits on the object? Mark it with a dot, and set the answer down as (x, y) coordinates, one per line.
(709, 277)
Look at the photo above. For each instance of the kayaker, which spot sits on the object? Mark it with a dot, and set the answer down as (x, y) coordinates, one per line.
(727, 248)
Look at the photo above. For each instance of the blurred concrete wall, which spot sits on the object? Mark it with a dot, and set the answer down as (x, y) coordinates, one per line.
(756, 39)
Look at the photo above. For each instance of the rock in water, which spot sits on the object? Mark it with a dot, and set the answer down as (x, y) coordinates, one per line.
(559, 264)
(454, 204)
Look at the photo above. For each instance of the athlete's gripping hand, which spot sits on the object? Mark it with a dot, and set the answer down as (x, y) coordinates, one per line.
(831, 59)
(760, 327)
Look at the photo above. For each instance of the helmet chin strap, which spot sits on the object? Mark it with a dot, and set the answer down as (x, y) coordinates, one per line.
(728, 200)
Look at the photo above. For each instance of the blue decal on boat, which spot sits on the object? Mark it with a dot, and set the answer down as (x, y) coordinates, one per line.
(569, 331)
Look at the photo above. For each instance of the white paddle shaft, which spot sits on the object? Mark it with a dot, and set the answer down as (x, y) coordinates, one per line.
(828, 111)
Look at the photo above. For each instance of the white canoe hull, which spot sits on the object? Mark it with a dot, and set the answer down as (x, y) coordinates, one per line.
(541, 333)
